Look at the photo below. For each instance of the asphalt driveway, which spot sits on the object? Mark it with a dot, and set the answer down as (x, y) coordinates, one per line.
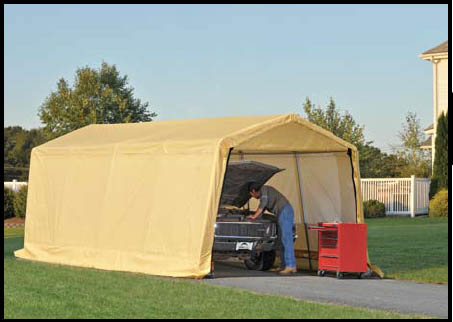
(400, 296)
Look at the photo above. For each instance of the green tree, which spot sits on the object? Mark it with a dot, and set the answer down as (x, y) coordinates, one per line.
(13, 139)
(344, 126)
(373, 163)
(376, 164)
(417, 160)
(99, 96)
(440, 169)
(20, 202)
(18, 143)
(8, 203)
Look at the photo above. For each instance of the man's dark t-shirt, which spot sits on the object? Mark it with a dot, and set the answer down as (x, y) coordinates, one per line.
(272, 200)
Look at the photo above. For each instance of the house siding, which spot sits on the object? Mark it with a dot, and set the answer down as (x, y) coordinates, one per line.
(438, 56)
(442, 87)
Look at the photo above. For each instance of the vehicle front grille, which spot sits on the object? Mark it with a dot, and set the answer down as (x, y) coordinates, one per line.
(235, 229)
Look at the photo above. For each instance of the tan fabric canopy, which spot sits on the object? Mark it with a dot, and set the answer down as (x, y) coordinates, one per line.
(143, 197)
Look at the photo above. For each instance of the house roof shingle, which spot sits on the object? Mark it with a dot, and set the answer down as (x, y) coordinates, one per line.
(426, 144)
(429, 127)
(442, 48)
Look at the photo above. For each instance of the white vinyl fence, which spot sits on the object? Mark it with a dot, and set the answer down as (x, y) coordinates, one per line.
(406, 196)
(14, 185)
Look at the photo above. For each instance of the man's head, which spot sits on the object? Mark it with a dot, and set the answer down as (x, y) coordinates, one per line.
(254, 189)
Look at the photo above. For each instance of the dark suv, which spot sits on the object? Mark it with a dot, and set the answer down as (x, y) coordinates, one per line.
(255, 242)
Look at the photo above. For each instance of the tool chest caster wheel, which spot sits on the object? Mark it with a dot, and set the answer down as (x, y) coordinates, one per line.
(339, 275)
(321, 272)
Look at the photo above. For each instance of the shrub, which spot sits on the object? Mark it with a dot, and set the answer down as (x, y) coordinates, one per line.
(438, 206)
(373, 209)
(8, 203)
(433, 187)
(20, 202)
(441, 164)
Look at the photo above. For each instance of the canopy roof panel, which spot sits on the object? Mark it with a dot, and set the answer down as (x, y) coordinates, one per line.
(157, 131)
(232, 131)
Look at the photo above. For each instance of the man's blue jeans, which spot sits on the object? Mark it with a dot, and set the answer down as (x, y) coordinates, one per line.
(285, 222)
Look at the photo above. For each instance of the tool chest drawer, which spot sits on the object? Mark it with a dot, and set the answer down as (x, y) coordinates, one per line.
(329, 262)
(328, 251)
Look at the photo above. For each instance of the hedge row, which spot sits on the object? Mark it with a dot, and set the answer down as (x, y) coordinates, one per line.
(14, 203)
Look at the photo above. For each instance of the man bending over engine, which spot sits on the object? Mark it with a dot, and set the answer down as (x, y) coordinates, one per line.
(271, 199)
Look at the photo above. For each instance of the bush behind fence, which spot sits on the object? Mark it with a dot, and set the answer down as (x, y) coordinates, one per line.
(14, 202)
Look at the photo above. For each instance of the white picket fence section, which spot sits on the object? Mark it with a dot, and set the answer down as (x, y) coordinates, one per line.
(405, 196)
(14, 185)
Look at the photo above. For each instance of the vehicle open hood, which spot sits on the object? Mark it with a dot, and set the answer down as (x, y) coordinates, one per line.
(238, 176)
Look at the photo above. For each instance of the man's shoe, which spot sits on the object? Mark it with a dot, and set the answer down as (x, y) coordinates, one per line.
(288, 270)
(276, 270)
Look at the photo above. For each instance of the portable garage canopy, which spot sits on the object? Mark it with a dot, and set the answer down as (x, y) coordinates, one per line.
(143, 197)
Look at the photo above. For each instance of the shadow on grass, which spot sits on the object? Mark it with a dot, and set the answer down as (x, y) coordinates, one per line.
(11, 244)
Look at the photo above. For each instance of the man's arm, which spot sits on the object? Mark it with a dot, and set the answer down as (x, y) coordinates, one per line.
(256, 214)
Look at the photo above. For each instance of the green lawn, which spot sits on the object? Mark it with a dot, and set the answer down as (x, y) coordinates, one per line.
(39, 290)
(410, 248)
(13, 232)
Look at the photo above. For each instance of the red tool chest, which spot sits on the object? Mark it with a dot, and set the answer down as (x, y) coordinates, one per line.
(341, 248)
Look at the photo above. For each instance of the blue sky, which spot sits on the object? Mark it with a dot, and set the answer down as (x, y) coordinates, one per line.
(191, 61)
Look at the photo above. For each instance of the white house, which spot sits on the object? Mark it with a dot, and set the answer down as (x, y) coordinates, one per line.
(438, 56)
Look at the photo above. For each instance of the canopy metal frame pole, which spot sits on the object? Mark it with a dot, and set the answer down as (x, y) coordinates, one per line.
(299, 183)
(211, 273)
(284, 152)
(353, 182)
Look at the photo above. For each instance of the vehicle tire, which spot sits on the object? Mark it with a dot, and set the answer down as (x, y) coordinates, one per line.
(261, 262)
(255, 262)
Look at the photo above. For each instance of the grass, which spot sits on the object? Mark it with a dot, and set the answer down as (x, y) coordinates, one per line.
(39, 290)
(13, 232)
(410, 248)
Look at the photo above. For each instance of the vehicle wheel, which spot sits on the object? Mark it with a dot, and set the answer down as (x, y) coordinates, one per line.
(209, 276)
(340, 275)
(261, 262)
(255, 262)
(321, 272)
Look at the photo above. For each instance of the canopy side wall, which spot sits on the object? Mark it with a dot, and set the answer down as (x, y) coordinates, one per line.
(146, 212)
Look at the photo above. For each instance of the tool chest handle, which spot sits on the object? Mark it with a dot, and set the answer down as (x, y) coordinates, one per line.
(324, 228)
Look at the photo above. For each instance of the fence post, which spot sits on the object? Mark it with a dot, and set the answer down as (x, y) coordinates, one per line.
(412, 200)
(14, 185)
